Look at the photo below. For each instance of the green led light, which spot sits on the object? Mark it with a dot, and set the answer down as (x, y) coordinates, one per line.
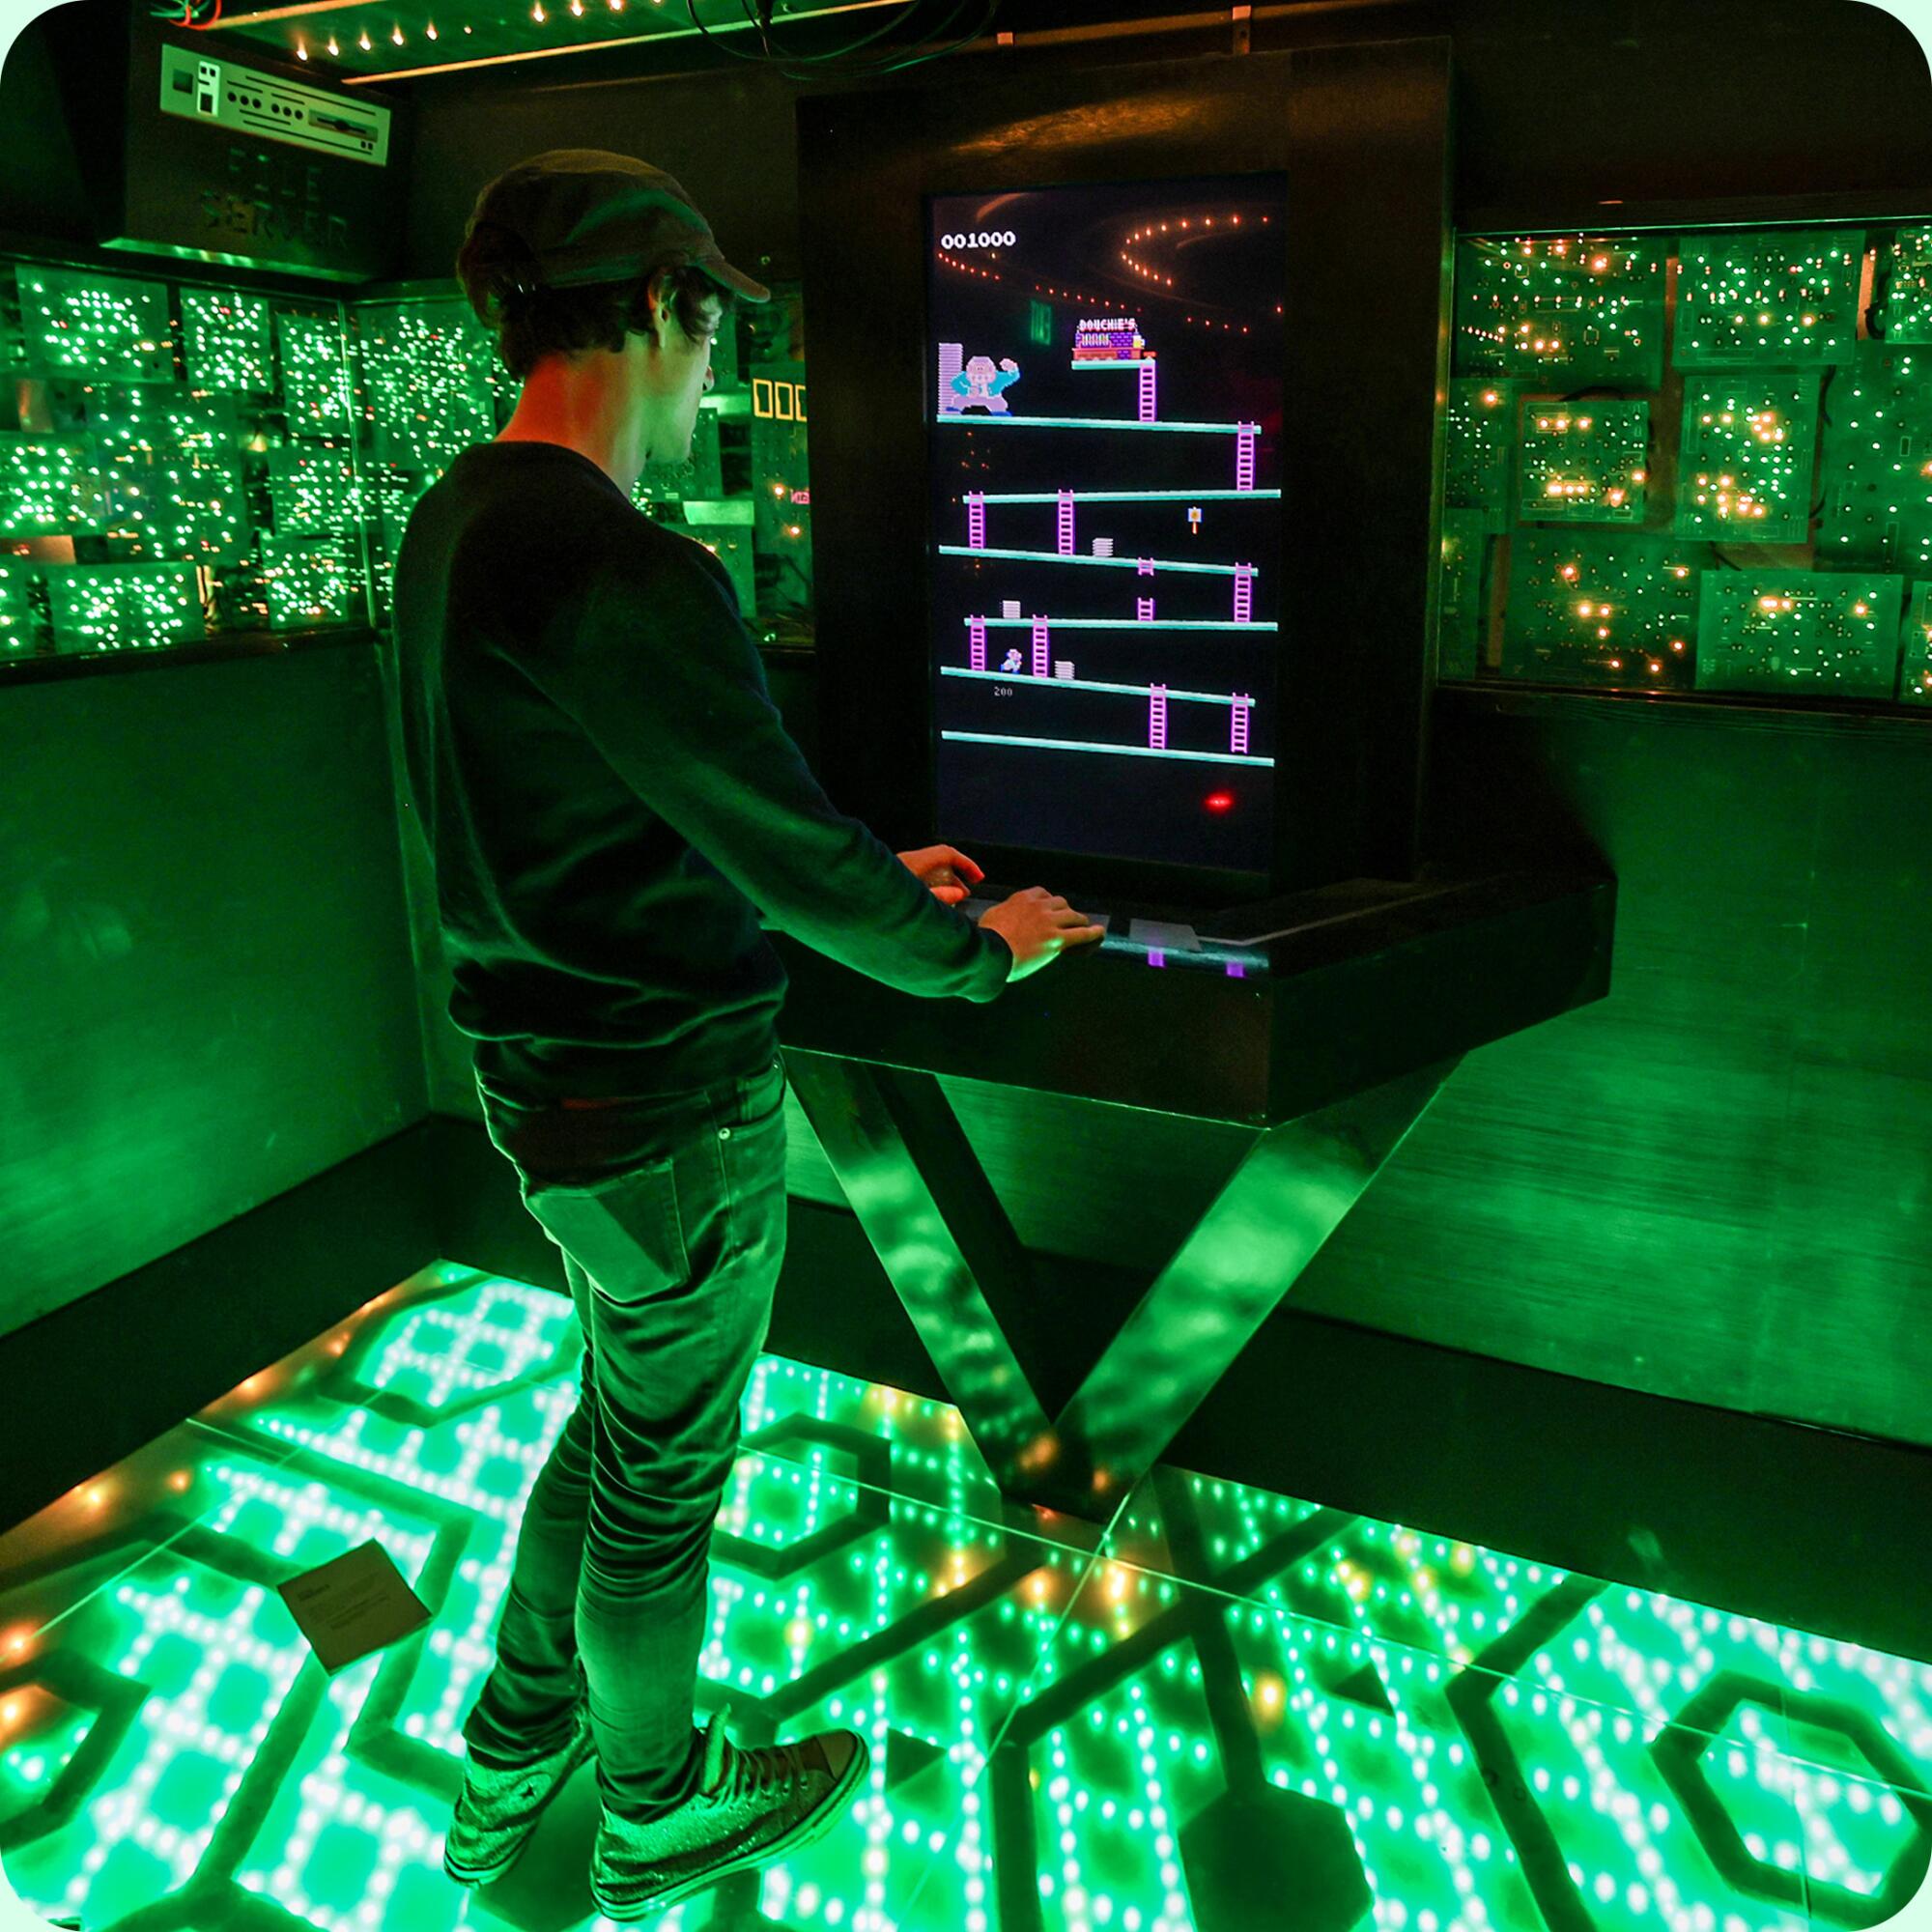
(1768, 301)
(1569, 309)
(1802, 631)
(315, 375)
(1744, 468)
(95, 326)
(310, 585)
(49, 487)
(226, 340)
(117, 607)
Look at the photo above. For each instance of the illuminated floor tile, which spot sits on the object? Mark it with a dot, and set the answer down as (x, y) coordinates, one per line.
(1226, 1713)
(1654, 1657)
(1187, 1759)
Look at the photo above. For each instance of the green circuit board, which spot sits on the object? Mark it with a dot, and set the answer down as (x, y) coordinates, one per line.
(124, 420)
(1585, 462)
(49, 486)
(311, 584)
(1915, 675)
(1768, 301)
(179, 506)
(314, 490)
(228, 340)
(1745, 458)
(700, 475)
(1834, 632)
(19, 622)
(1612, 610)
(426, 382)
(95, 326)
(119, 606)
(1460, 604)
(1904, 307)
(1478, 448)
(313, 354)
(1876, 472)
(1565, 311)
(730, 543)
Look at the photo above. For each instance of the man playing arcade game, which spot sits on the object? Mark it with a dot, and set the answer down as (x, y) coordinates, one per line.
(611, 798)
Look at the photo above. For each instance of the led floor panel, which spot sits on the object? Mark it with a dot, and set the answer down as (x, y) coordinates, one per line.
(1224, 1710)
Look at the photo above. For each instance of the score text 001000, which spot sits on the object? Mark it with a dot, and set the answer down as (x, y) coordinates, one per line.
(985, 238)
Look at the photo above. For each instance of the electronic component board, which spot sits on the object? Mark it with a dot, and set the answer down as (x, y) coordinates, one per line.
(1815, 632)
(781, 482)
(227, 340)
(1904, 311)
(49, 486)
(1585, 462)
(311, 584)
(1478, 448)
(90, 326)
(1915, 675)
(1462, 587)
(730, 543)
(1877, 461)
(155, 422)
(1565, 311)
(314, 490)
(117, 607)
(426, 385)
(1745, 465)
(1618, 609)
(1768, 301)
(700, 474)
(19, 624)
(313, 356)
(182, 506)
(123, 419)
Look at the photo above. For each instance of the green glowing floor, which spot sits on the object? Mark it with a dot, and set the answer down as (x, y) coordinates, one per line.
(1225, 1711)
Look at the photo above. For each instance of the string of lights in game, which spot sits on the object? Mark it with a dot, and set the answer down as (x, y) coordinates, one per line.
(1106, 402)
(188, 464)
(1702, 470)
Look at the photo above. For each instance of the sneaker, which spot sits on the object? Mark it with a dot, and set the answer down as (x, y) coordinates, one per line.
(750, 1806)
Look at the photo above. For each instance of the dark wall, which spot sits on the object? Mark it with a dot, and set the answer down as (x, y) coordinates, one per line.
(207, 993)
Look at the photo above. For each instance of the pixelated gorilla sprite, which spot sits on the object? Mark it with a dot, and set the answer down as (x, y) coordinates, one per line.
(980, 384)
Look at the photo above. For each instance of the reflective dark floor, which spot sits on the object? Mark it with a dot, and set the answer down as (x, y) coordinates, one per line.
(1226, 1710)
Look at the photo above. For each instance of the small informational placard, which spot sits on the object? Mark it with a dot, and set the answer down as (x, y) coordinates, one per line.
(357, 1604)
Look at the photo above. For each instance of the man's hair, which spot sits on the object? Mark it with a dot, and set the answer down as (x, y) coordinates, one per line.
(529, 319)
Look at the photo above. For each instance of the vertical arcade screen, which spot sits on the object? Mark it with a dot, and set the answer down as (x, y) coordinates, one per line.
(1105, 381)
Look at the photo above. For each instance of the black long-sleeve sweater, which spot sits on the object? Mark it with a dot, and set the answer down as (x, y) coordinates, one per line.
(611, 796)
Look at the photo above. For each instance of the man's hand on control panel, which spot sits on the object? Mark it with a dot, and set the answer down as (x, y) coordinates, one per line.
(1036, 924)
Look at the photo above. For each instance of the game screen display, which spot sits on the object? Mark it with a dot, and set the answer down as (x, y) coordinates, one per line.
(1105, 383)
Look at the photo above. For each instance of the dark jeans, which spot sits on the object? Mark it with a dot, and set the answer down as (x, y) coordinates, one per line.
(671, 1215)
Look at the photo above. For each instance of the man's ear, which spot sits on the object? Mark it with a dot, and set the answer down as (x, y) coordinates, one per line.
(658, 293)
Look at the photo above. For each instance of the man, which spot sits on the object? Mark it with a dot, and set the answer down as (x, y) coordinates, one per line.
(611, 798)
